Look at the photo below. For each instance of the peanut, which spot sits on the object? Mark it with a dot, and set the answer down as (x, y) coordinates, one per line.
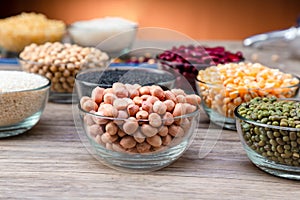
(107, 138)
(154, 141)
(94, 130)
(133, 90)
(89, 105)
(130, 126)
(139, 137)
(121, 133)
(143, 147)
(155, 120)
(180, 98)
(122, 115)
(148, 130)
(137, 100)
(88, 120)
(109, 98)
(176, 131)
(179, 110)
(147, 106)
(111, 128)
(144, 90)
(152, 99)
(132, 109)
(127, 142)
(108, 110)
(177, 92)
(157, 92)
(120, 90)
(193, 99)
(170, 96)
(83, 100)
(163, 131)
(142, 114)
(98, 140)
(97, 94)
(159, 107)
(120, 104)
(166, 140)
(170, 105)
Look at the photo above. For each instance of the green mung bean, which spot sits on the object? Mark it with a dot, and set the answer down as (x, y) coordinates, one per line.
(274, 143)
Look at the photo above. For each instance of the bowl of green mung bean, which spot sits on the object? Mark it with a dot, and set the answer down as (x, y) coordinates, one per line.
(269, 129)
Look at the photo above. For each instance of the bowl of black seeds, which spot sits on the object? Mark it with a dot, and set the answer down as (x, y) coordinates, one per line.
(269, 129)
(88, 79)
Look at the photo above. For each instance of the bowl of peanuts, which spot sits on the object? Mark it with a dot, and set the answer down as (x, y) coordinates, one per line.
(226, 86)
(60, 62)
(136, 128)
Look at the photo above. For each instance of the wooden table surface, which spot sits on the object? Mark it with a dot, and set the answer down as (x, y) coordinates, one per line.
(50, 162)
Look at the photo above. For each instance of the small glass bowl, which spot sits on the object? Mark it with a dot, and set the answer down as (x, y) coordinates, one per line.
(268, 151)
(130, 160)
(113, 35)
(219, 102)
(172, 137)
(21, 109)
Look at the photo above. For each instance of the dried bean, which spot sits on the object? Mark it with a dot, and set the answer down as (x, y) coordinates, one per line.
(130, 126)
(127, 142)
(154, 141)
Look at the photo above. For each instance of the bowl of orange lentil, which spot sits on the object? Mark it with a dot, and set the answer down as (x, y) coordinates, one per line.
(225, 86)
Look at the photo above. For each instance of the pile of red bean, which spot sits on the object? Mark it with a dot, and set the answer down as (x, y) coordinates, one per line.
(187, 60)
(199, 55)
(138, 119)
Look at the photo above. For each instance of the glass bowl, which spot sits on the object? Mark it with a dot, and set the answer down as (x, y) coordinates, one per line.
(22, 98)
(137, 121)
(60, 63)
(219, 100)
(113, 35)
(270, 143)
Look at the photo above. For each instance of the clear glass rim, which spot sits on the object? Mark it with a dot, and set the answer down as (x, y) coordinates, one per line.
(74, 26)
(238, 116)
(268, 88)
(125, 67)
(171, 63)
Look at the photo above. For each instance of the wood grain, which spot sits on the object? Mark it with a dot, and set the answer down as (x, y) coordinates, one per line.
(50, 162)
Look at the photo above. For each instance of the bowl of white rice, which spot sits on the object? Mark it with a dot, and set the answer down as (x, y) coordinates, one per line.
(113, 35)
(23, 97)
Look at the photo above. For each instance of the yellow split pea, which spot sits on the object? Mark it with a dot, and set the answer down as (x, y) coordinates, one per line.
(225, 86)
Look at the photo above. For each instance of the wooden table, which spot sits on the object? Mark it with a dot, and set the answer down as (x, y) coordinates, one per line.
(50, 162)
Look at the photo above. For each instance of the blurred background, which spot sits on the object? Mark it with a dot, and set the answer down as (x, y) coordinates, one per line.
(199, 19)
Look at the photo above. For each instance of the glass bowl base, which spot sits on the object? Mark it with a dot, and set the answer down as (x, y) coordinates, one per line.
(139, 163)
(276, 169)
(60, 97)
(220, 120)
(19, 128)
